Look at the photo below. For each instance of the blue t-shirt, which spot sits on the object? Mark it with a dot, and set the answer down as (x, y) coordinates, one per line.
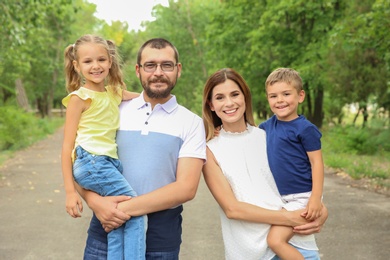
(287, 147)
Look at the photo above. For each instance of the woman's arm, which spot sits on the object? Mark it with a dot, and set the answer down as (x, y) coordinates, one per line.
(235, 209)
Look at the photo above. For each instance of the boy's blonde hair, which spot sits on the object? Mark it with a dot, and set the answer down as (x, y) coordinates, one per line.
(286, 75)
(74, 79)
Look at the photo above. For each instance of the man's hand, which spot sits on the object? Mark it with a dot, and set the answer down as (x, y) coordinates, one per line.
(105, 209)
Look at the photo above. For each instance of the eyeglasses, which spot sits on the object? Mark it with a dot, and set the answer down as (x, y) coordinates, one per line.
(165, 66)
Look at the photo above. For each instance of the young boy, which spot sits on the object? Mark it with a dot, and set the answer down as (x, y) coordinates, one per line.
(294, 154)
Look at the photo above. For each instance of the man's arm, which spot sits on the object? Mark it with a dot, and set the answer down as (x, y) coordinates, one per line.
(171, 195)
(105, 208)
(113, 211)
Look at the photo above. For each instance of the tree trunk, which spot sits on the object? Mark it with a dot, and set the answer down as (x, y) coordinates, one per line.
(365, 116)
(356, 116)
(318, 115)
(21, 96)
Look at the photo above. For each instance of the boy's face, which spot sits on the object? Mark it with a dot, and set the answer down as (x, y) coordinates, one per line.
(284, 99)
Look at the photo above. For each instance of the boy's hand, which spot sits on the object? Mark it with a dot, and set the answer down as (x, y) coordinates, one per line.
(313, 208)
(74, 205)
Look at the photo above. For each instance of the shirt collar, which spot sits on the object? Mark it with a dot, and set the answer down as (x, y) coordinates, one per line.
(168, 106)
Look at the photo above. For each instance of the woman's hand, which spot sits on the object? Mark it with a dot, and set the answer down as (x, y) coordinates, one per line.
(296, 217)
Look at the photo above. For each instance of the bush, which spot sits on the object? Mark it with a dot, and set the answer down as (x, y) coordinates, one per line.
(19, 129)
(362, 141)
(362, 153)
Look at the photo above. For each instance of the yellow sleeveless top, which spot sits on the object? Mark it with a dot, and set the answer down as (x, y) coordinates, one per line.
(98, 124)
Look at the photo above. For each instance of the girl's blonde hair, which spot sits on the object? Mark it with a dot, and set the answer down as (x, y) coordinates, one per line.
(74, 79)
(210, 119)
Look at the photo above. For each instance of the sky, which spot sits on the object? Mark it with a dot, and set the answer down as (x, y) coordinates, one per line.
(131, 11)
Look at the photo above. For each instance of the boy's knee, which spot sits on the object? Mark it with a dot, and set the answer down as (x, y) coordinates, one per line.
(274, 241)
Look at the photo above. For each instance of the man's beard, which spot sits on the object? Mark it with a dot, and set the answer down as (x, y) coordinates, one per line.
(163, 93)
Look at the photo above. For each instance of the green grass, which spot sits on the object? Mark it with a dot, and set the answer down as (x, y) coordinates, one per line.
(360, 153)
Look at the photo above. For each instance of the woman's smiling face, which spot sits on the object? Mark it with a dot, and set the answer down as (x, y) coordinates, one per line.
(228, 102)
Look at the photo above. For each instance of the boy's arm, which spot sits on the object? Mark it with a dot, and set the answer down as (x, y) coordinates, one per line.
(317, 166)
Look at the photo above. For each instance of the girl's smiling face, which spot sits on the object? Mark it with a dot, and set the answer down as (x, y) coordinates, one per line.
(93, 64)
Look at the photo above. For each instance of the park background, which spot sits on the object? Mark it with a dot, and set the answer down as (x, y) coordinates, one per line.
(340, 47)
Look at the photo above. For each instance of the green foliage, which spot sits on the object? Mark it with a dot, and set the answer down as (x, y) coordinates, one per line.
(362, 153)
(362, 141)
(340, 48)
(183, 24)
(19, 129)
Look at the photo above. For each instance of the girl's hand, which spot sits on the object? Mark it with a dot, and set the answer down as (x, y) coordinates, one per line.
(74, 205)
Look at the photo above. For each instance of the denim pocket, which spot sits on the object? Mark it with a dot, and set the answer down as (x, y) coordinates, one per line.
(82, 164)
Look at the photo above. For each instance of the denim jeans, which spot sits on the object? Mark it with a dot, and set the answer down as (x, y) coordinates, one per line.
(97, 250)
(307, 254)
(171, 255)
(103, 175)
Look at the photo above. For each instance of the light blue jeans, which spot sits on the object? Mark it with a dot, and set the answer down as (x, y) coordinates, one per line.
(103, 175)
(307, 254)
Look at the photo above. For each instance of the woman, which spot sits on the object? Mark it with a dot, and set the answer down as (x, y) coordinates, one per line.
(238, 175)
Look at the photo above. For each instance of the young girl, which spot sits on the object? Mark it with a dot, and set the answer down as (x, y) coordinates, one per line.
(89, 152)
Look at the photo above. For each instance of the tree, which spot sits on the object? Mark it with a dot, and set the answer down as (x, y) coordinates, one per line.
(183, 24)
(359, 56)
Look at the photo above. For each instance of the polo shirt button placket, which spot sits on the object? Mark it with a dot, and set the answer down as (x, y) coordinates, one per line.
(147, 115)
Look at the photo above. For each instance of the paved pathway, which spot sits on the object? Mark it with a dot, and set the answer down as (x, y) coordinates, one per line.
(34, 224)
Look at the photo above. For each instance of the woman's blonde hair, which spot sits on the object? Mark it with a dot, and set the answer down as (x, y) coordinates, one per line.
(74, 79)
(210, 119)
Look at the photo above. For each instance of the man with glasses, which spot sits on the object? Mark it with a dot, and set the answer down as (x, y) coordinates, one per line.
(162, 148)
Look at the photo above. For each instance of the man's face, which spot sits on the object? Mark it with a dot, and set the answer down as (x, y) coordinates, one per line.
(159, 83)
